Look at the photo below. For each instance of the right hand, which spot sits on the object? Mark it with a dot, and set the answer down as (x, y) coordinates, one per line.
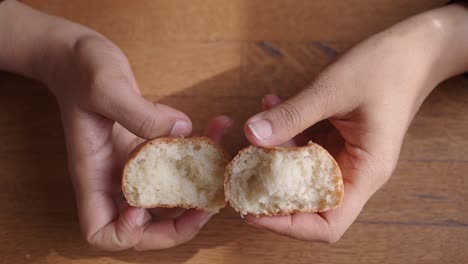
(368, 97)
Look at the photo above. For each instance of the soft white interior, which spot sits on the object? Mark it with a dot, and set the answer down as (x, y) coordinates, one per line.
(184, 173)
(283, 181)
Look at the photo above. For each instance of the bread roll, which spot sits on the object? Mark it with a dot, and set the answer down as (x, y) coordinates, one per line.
(283, 180)
(176, 172)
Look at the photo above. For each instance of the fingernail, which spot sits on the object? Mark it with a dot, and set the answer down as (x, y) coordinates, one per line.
(261, 129)
(180, 128)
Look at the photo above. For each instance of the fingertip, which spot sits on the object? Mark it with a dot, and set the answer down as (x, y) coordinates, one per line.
(203, 214)
(224, 121)
(270, 101)
(218, 127)
(263, 222)
(259, 131)
(182, 127)
(251, 137)
(197, 214)
(252, 219)
(162, 213)
(167, 112)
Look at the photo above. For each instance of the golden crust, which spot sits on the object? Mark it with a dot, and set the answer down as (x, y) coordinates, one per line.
(168, 140)
(338, 179)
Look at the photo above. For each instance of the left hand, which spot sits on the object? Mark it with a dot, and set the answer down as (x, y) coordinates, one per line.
(104, 118)
(108, 220)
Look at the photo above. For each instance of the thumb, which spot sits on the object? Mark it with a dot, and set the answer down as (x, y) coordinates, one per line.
(281, 123)
(143, 118)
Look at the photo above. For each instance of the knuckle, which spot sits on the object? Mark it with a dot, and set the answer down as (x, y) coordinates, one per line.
(387, 169)
(91, 241)
(140, 248)
(94, 243)
(124, 235)
(334, 236)
(289, 116)
(382, 170)
(376, 168)
(185, 235)
(105, 80)
(85, 42)
(184, 239)
(102, 66)
(148, 126)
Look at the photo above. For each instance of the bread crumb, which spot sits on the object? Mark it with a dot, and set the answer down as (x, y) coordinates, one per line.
(283, 180)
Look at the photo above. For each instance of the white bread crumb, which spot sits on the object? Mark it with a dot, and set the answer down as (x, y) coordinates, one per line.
(272, 181)
(176, 172)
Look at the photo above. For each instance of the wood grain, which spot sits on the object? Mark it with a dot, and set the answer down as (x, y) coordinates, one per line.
(208, 57)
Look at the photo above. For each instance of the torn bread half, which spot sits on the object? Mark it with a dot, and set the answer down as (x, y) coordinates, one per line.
(176, 172)
(283, 180)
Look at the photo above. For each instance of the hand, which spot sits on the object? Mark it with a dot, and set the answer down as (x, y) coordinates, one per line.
(104, 118)
(368, 97)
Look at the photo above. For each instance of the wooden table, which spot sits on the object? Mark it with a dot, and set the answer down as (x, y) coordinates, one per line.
(207, 57)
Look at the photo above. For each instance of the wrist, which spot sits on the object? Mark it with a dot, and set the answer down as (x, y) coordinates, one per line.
(451, 26)
(57, 58)
(443, 37)
(431, 45)
(37, 44)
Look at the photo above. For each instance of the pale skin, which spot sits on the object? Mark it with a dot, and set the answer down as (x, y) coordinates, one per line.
(369, 96)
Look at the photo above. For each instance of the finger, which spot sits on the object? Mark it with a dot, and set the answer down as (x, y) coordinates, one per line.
(143, 118)
(169, 233)
(119, 234)
(104, 225)
(108, 222)
(218, 127)
(322, 133)
(166, 213)
(293, 225)
(126, 142)
(324, 227)
(154, 213)
(269, 101)
(113, 92)
(281, 123)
